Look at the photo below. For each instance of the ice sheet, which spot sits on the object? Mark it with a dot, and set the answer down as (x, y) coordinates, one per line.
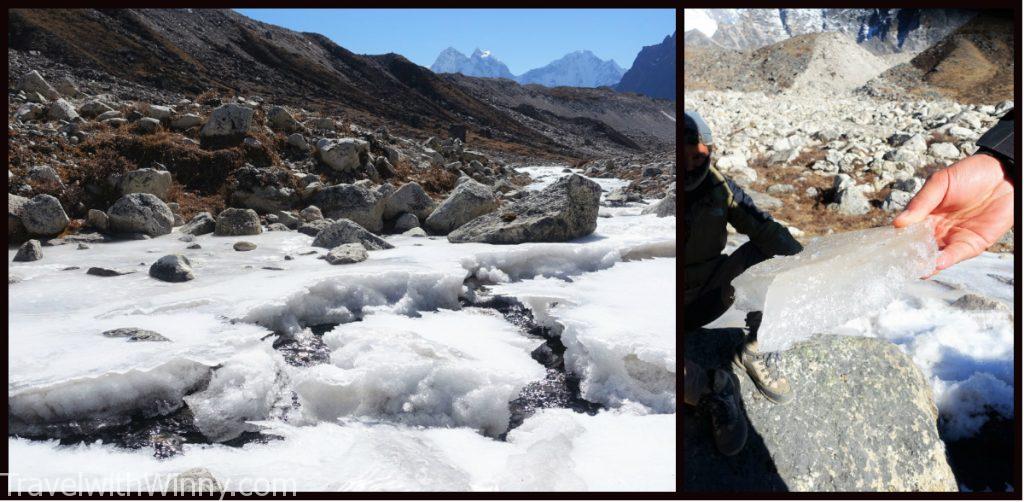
(834, 279)
(62, 368)
(446, 368)
(606, 452)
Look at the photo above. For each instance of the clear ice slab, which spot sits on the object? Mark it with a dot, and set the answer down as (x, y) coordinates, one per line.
(835, 279)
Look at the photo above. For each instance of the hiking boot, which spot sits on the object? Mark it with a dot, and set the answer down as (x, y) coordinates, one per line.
(728, 425)
(764, 369)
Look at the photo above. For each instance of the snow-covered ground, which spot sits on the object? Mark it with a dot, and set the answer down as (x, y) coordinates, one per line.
(414, 393)
(966, 354)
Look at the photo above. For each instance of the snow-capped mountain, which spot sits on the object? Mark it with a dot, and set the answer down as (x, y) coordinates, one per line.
(480, 64)
(653, 72)
(576, 69)
(882, 31)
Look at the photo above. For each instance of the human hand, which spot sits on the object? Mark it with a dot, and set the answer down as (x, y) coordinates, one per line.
(971, 205)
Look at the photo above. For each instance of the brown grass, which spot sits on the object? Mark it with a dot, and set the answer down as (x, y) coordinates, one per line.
(811, 214)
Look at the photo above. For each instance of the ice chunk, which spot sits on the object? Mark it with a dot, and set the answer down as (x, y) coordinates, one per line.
(618, 327)
(244, 389)
(446, 368)
(835, 279)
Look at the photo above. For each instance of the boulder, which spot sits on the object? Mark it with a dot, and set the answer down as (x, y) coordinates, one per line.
(312, 228)
(147, 180)
(345, 231)
(140, 213)
(186, 121)
(415, 232)
(200, 224)
(34, 82)
(288, 219)
(409, 198)
(148, 125)
(467, 201)
(311, 213)
(172, 268)
(61, 110)
(863, 419)
(345, 154)
(852, 201)
(43, 216)
(44, 177)
(244, 246)
(159, 112)
(406, 221)
(298, 141)
(346, 253)
(359, 204)
(227, 126)
(280, 120)
(136, 335)
(97, 219)
(565, 210)
(94, 108)
(944, 151)
(31, 250)
(197, 481)
(664, 207)
(264, 189)
(235, 221)
(108, 272)
(15, 229)
(896, 201)
(30, 111)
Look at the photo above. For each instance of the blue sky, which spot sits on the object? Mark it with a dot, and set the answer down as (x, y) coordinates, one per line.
(523, 39)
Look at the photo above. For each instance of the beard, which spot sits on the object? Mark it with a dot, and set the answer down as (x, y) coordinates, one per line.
(692, 178)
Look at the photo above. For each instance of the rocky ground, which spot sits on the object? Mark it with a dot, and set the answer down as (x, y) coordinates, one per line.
(844, 163)
(79, 150)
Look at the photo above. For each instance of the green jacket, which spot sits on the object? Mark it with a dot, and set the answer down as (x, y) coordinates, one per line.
(706, 210)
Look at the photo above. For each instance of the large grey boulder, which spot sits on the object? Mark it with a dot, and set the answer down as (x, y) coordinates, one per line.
(862, 419)
(186, 121)
(852, 201)
(264, 189)
(43, 216)
(98, 220)
(200, 224)
(407, 221)
(565, 210)
(140, 213)
(344, 254)
(227, 126)
(664, 207)
(345, 154)
(359, 204)
(467, 201)
(280, 120)
(94, 108)
(409, 198)
(61, 110)
(15, 229)
(235, 221)
(34, 82)
(44, 177)
(31, 250)
(346, 231)
(172, 268)
(147, 180)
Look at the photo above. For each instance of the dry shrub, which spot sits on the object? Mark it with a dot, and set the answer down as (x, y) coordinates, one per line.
(436, 180)
(197, 169)
(192, 203)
